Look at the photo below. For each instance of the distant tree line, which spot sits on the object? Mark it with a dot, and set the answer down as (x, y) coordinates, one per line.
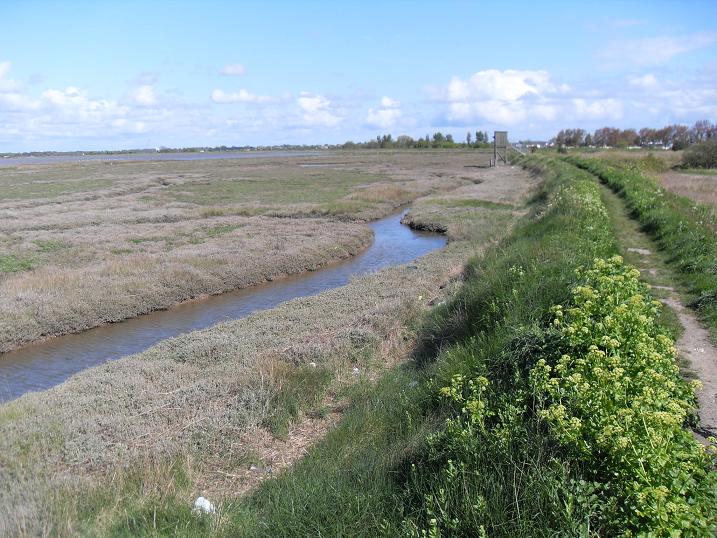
(671, 136)
(438, 140)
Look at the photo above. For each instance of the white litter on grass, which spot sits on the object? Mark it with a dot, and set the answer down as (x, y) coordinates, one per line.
(312, 364)
(202, 505)
(356, 371)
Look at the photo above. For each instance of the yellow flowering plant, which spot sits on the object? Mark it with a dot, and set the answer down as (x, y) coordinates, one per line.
(614, 399)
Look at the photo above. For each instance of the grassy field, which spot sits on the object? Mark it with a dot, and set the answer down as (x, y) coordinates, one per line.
(83, 244)
(115, 447)
(699, 185)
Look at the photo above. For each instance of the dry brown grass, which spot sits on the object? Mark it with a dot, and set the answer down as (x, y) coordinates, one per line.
(198, 398)
(698, 187)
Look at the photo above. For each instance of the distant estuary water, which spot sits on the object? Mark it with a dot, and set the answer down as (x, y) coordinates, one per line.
(154, 156)
(45, 364)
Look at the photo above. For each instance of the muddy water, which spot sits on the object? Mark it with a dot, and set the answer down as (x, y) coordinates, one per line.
(45, 364)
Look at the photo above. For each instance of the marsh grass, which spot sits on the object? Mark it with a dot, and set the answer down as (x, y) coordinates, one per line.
(204, 401)
(698, 185)
(102, 243)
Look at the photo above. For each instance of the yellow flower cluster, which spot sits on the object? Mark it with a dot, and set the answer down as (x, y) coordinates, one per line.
(614, 399)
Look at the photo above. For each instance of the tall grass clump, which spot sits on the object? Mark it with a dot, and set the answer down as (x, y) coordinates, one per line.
(687, 231)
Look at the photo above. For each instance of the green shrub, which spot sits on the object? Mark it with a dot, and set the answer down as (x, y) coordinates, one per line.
(702, 155)
(615, 459)
(614, 399)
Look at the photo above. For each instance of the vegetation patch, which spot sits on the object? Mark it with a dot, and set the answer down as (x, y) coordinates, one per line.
(702, 155)
(10, 263)
(472, 202)
(51, 245)
(685, 229)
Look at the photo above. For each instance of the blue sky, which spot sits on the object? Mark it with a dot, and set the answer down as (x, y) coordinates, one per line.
(113, 75)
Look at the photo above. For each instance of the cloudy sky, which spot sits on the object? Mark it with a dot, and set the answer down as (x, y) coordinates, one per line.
(114, 75)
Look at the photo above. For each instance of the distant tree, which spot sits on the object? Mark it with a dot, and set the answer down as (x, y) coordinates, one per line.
(386, 141)
(405, 141)
(449, 139)
(702, 130)
(570, 137)
(469, 138)
(679, 137)
(438, 139)
(648, 136)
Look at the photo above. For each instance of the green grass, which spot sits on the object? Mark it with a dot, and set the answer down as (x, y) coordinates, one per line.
(297, 186)
(301, 390)
(216, 231)
(51, 245)
(472, 202)
(10, 263)
(654, 267)
(15, 186)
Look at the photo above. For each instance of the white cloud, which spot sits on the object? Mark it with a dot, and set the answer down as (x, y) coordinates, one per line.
(507, 86)
(12, 98)
(386, 115)
(599, 109)
(74, 102)
(383, 117)
(233, 70)
(647, 81)
(316, 110)
(502, 97)
(655, 50)
(387, 102)
(242, 96)
(144, 95)
(514, 98)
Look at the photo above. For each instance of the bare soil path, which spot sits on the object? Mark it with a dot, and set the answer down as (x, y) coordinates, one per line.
(697, 351)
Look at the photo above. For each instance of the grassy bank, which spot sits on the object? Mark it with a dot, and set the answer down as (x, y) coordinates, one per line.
(542, 401)
(684, 229)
